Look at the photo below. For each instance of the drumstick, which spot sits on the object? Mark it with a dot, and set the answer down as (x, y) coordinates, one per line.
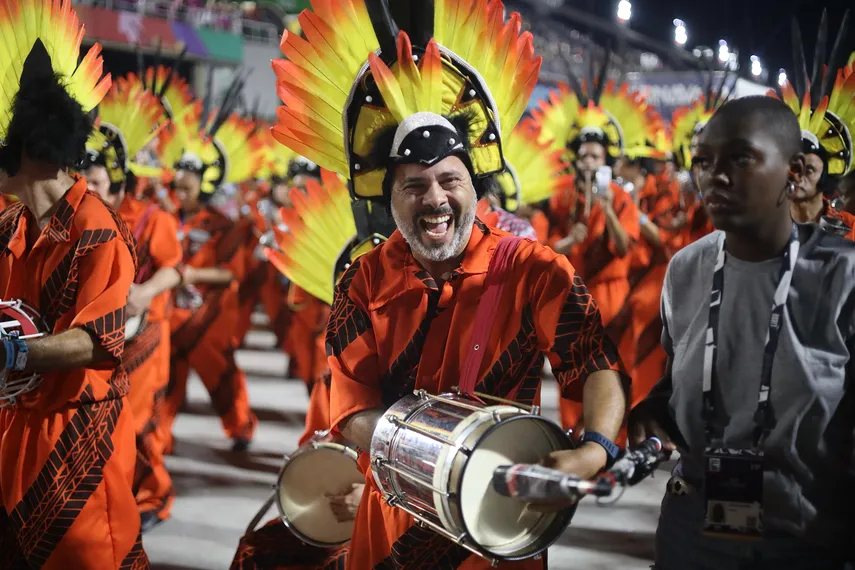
(589, 194)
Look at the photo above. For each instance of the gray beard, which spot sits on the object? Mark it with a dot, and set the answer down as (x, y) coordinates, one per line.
(440, 253)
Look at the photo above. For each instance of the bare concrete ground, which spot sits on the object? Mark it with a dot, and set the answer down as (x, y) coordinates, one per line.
(219, 492)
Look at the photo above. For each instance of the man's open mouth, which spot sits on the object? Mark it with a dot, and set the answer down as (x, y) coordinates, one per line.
(436, 227)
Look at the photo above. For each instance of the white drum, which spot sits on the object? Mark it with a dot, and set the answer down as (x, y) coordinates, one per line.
(325, 465)
(434, 457)
(134, 326)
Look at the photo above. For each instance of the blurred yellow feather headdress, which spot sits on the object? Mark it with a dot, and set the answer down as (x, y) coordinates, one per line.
(601, 110)
(534, 170)
(378, 82)
(688, 122)
(321, 234)
(823, 101)
(129, 118)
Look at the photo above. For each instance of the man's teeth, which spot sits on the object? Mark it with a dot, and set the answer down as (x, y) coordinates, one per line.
(437, 219)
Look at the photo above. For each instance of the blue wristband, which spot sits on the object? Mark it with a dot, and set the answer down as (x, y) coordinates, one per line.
(16, 353)
(11, 353)
(611, 448)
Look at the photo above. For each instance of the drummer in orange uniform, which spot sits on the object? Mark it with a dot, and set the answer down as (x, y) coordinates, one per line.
(129, 118)
(403, 313)
(204, 326)
(66, 426)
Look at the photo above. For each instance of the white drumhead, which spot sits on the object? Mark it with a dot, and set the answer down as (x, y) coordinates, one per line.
(304, 484)
(132, 326)
(496, 522)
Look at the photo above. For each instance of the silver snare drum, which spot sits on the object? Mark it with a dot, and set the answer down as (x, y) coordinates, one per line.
(434, 457)
(325, 465)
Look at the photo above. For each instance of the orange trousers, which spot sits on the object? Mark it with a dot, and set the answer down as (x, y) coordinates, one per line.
(205, 340)
(146, 361)
(65, 488)
(610, 296)
(304, 341)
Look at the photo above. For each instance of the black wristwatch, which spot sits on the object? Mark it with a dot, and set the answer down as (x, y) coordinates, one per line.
(612, 450)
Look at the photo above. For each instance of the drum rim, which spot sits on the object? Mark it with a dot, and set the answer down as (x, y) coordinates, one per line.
(283, 516)
(562, 519)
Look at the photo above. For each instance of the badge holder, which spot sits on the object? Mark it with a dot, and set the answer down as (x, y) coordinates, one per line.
(733, 493)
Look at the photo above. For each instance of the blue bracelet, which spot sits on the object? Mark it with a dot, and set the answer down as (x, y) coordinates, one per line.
(11, 353)
(611, 448)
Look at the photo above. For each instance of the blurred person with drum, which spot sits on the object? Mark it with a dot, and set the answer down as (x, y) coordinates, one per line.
(758, 391)
(210, 152)
(128, 118)
(319, 487)
(67, 262)
(422, 138)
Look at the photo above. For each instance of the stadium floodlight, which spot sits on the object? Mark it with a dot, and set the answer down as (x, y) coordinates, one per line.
(624, 11)
(723, 51)
(782, 78)
(681, 35)
(756, 66)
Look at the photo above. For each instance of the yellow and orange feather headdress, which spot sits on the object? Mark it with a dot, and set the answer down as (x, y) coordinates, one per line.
(535, 171)
(348, 88)
(129, 118)
(321, 232)
(603, 109)
(824, 101)
(55, 24)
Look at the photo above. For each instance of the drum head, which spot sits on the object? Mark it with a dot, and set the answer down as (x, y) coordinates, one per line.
(304, 484)
(132, 327)
(501, 525)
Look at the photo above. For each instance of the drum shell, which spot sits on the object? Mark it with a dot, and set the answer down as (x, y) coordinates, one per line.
(320, 441)
(441, 467)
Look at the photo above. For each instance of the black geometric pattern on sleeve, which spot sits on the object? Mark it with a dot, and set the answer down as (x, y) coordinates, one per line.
(59, 228)
(136, 558)
(124, 231)
(347, 321)
(580, 339)
(110, 331)
(69, 477)
(59, 292)
(9, 219)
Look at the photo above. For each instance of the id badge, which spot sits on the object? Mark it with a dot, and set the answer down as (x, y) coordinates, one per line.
(733, 493)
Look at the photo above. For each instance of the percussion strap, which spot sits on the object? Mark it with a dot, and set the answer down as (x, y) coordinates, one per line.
(488, 306)
(145, 270)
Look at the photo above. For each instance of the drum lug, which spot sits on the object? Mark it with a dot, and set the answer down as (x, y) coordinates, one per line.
(535, 410)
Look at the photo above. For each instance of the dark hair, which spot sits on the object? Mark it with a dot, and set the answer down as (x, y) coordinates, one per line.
(772, 114)
(599, 138)
(48, 126)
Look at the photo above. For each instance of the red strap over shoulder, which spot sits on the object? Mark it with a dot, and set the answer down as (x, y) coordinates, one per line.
(488, 306)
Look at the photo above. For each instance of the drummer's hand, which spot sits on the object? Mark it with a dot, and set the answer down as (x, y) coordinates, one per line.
(584, 462)
(345, 504)
(138, 300)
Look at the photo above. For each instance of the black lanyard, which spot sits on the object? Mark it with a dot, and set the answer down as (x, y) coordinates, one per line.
(763, 417)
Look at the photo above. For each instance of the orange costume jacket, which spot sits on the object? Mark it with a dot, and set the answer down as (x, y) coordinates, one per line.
(394, 329)
(67, 449)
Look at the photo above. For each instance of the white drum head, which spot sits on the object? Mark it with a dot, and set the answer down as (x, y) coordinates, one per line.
(495, 522)
(304, 484)
(132, 326)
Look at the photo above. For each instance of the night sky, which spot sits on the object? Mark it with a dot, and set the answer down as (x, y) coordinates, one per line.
(759, 27)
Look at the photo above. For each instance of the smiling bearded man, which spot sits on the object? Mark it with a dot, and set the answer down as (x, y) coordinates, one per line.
(423, 140)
